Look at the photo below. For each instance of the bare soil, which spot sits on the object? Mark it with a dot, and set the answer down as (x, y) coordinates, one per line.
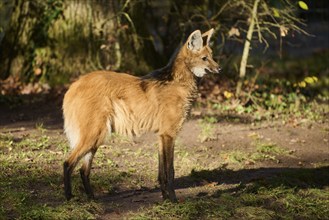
(201, 167)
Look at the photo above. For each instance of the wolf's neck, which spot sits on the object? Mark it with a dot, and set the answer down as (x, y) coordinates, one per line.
(182, 75)
(176, 71)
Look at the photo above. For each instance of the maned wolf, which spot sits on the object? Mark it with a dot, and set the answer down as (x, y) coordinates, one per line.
(102, 102)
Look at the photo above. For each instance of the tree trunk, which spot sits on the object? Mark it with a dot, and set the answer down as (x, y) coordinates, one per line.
(246, 49)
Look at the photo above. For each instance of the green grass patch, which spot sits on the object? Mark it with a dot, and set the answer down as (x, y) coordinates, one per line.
(261, 152)
(207, 129)
(275, 197)
(268, 151)
(263, 203)
(31, 181)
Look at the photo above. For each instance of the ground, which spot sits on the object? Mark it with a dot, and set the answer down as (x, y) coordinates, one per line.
(227, 167)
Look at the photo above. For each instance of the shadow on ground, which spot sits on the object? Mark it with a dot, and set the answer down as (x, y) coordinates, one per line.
(269, 178)
(289, 177)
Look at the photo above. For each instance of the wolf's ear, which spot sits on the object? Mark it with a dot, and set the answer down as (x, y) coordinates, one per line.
(194, 41)
(208, 34)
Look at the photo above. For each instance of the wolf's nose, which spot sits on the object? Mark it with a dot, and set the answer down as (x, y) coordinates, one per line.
(218, 70)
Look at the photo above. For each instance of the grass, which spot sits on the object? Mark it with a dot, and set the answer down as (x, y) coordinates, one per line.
(215, 184)
(31, 181)
(31, 184)
(31, 176)
(268, 151)
(262, 151)
(277, 203)
(207, 129)
(277, 197)
(65, 211)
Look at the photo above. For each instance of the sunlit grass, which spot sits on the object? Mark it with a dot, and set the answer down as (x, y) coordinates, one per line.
(31, 181)
(262, 151)
(31, 185)
(272, 198)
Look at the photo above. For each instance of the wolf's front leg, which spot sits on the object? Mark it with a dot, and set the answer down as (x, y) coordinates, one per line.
(166, 167)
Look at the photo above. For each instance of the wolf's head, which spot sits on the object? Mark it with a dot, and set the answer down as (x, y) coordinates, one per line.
(199, 55)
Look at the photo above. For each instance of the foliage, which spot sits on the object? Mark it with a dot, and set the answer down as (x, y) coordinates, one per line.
(286, 89)
(51, 41)
(262, 22)
(27, 45)
(47, 43)
(303, 5)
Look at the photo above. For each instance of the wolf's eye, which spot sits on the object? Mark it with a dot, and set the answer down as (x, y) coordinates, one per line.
(204, 58)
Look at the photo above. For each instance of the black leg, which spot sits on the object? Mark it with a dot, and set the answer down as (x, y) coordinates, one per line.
(86, 184)
(85, 173)
(67, 180)
(166, 168)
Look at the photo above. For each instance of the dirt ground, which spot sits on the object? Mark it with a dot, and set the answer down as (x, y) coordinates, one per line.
(238, 151)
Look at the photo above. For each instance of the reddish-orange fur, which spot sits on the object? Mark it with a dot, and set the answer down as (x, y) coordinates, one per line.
(103, 102)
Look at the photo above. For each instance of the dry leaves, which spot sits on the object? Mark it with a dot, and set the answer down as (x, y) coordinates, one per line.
(13, 85)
